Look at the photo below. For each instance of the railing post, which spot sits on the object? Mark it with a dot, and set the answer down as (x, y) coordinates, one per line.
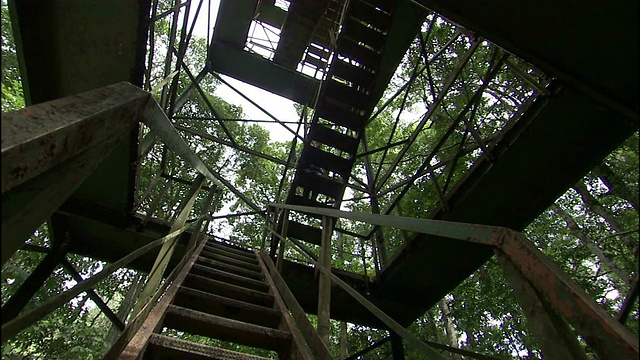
(553, 335)
(324, 288)
(159, 266)
(283, 234)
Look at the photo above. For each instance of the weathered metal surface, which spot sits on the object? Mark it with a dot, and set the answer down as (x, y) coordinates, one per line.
(480, 234)
(299, 348)
(386, 319)
(199, 323)
(94, 296)
(68, 47)
(600, 331)
(629, 300)
(295, 35)
(49, 149)
(131, 348)
(162, 127)
(302, 323)
(373, 346)
(324, 283)
(257, 71)
(13, 327)
(397, 348)
(42, 136)
(167, 348)
(167, 249)
(570, 135)
(555, 338)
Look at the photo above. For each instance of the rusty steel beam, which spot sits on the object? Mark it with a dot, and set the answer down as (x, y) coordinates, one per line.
(49, 149)
(481, 234)
(554, 336)
(600, 331)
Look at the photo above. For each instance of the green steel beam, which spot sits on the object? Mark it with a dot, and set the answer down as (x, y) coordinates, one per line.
(49, 149)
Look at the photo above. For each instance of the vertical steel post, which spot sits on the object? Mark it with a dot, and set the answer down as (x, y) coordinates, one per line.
(283, 234)
(159, 266)
(324, 288)
(554, 336)
(397, 348)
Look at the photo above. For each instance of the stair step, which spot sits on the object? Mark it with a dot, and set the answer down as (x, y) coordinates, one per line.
(294, 199)
(359, 32)
(346, 115)
(231, 249)
(230, 278)
(199, 323)
(341, 91)
(167, 348)
(325, 160)
(222, 252)
(368, 13)
(343, 70)
(304, 232)
(319, 184)
(228, 290)
(363, 55)
(230, 260)
(227, 307)
(238, 270)
(333, 138)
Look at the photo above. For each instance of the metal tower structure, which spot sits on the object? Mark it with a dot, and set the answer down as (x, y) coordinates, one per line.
(101, 97)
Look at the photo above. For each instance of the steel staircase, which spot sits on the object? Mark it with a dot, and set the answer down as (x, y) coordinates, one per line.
(347, 99)
(226, 296)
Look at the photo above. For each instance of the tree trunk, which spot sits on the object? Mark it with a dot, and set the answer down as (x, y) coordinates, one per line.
(125, 306)
(594, 205)
(576, 231)
(452, 334)
(616, 185)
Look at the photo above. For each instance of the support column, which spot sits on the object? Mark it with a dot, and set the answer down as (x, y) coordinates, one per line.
(397, 347)
(324, 288)
(556, 339)
(164, 256)
(283, 233)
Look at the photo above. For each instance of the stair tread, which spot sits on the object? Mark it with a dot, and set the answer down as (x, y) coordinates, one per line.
(234, 269)
(233, 291)
(217, 245)
(229, 260)
(199, 323)
(228, 277)
(230, 308)
(165, 347)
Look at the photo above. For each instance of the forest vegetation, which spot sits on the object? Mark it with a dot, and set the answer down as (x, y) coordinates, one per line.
(591, 231)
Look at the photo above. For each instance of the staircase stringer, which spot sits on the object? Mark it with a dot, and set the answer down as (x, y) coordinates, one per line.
(137, 343)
